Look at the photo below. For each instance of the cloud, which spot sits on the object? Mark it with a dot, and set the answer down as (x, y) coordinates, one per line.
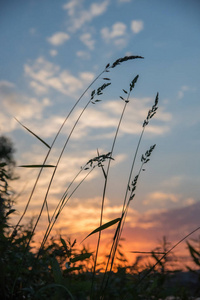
(106, 118)
(183, 90)
(117, 33)
(100, 122)
(45, 75)
(65, 177)
(26, 108)
(87, 213)
(80, 16)
(149, 228)
(53, 52)
(83, 54)
(20, 106)
(70, 6)
(158, 197)
(4, 85)
(161, 200)
(169, 220)
(86, 38)
(33, 31)
(58, 38)
(142, 231)
(137, 26)
(173, 181)
(124, 1)
(38, 88)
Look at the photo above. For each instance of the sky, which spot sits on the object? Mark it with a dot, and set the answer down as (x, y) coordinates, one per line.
(50, 53)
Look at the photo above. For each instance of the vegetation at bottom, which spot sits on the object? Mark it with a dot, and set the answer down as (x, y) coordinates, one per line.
(64, 272)
(60, 270)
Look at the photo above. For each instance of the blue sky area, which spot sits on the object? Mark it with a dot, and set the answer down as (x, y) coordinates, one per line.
(51, 51)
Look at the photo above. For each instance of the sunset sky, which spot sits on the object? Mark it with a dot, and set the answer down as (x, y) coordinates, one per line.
(50, 52)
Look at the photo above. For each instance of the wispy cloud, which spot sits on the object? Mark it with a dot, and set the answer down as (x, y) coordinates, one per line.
(19, 106)
(46, 75)
(117, 33)
(53, 52)
(4, 85)
(106, 117)
(83, 54)
(38, 88)
(137, 26)
(161, 199)
(58, 38)
(80, 16)
(124, 1)
(183, 90)
(86, 38)
(173, 182)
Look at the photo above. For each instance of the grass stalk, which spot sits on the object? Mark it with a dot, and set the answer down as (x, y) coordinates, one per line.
(126, 203)
(106, 177)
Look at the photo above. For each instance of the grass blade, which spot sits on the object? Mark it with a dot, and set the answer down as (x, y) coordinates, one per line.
(102, 227)
(57, 274)
(41, 140)
(37, 166)
(80, 257)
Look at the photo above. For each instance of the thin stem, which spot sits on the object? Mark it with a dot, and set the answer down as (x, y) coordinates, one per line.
(126, 204)
(48, 153)
(104, 190)
(57, 207)
(48, 231)
(37, 179)
(172, 248)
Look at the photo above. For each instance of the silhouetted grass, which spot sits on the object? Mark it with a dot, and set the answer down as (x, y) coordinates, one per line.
(60, 271)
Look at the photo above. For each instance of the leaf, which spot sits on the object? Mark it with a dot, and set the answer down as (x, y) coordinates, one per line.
(2, 165)
(102, 227)
(194, 254)
(73, 269)
(57, 274)
(64, 244)
(80, 257)
(74, 242)
(37, 166)
(10, 212)
(41, 140)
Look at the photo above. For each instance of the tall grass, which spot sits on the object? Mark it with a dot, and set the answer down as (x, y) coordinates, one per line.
(102, 161)
(97, 161)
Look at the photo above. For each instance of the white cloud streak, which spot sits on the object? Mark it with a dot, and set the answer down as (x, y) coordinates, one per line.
(86, 38)
(83, 54)
(117, 34)
(107, 117)
(80, 16)
(53, 52)
(104, 120)
(124, 1)
(58, 38)
(46, 75)
(183, 90)
(137, 26)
